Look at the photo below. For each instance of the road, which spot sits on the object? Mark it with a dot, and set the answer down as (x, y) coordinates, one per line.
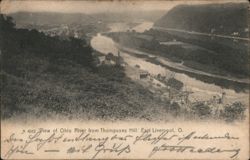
(200, 33)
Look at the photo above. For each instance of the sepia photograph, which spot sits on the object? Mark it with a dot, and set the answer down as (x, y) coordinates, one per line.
(171, 74)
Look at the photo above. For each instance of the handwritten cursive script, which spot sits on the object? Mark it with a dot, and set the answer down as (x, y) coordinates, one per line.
(93, 144)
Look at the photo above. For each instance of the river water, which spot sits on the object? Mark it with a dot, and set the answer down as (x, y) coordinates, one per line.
(202, 90)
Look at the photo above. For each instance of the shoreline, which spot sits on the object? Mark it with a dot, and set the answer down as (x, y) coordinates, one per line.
(222, 82)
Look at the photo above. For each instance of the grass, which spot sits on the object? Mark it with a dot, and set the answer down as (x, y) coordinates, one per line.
(73, 91)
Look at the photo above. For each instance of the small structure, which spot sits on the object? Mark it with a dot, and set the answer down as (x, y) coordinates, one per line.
(107, 59)
(143, 74)
(235, 34)
(76, 34)
(110, 59)
(212, 30)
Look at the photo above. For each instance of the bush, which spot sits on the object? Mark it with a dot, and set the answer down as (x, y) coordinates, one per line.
(112, 73)
(173, 108)
(202, 110)
(234, 111)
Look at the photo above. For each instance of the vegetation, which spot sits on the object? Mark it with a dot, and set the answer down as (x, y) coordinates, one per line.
(48, 77)
(174, 109)
(223, 18)
(205, 54)
(234, 111)
(202, 110)
(228, 62)
(228, 55)
(51, 18)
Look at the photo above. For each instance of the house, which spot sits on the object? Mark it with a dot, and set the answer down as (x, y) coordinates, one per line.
(110, 59)
(235, 34)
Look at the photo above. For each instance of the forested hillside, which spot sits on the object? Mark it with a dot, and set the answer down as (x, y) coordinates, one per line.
(218, 18)
(228, 54)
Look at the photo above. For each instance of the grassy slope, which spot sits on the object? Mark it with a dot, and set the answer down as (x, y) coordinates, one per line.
(72, 91)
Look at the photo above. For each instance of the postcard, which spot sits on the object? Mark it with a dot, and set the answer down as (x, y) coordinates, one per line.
(127, 79)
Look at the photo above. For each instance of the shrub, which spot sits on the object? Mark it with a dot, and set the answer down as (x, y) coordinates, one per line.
(234, 111)
(112, 73)
(202, 110)
(174, 108)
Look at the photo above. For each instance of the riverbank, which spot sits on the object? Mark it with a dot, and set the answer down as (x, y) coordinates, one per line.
(239, 85)
(205, 56)
(186, 67)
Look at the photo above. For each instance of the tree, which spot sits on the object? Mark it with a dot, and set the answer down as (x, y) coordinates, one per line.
(201, 109)
(6, 23)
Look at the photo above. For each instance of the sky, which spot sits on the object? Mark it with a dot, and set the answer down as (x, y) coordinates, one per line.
(94, 6)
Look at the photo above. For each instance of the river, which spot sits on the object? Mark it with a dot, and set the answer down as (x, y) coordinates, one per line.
(202, 90)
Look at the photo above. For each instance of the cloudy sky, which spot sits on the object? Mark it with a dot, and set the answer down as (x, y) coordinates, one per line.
(93, 6)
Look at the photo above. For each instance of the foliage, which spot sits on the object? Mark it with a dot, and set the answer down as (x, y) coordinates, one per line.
(112, 73)
(45, 77)
(174, 108)
(214, 56)
(201, 110)
(223, 18)
(234, 111)
(15, 42)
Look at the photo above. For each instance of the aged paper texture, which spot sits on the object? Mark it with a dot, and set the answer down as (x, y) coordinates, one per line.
(151, 79)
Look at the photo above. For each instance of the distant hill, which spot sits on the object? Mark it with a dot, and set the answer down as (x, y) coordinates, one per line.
(218, 18)
(50, 18)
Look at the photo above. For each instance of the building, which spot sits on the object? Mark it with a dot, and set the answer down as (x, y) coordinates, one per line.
(110, 59)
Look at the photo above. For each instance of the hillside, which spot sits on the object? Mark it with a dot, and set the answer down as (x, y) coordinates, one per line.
(45, 77)
(52, 18)
(49, 78)
(226, 54)
(49, 18)
(218, 18)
